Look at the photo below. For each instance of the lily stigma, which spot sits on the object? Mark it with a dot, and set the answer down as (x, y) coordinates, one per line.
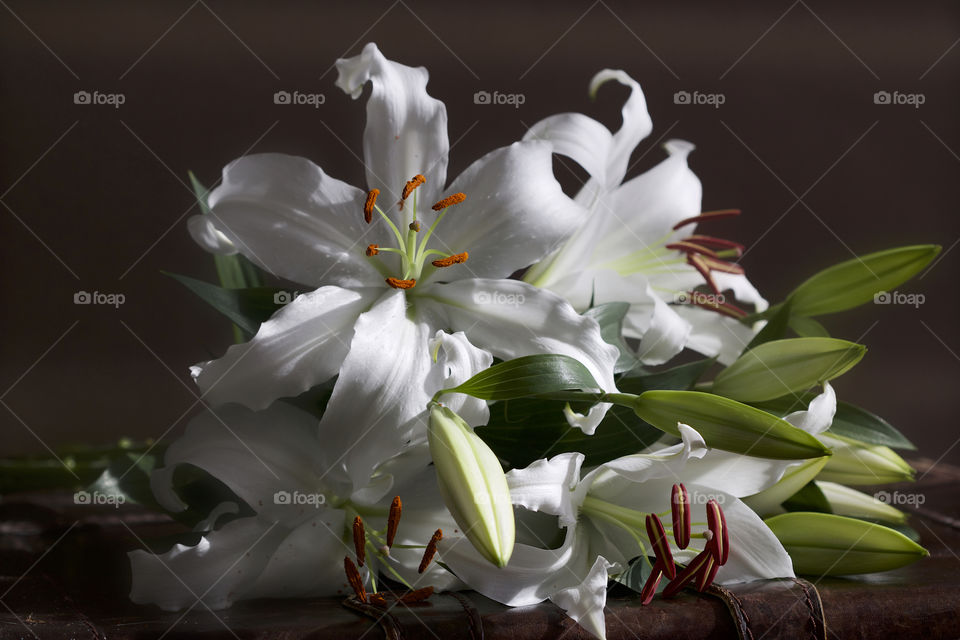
(412, 253)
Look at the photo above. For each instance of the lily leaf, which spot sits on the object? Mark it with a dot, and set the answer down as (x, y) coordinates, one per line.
(680, 377)
(809, 498)
(247, 308)
(824, 544)
(859, 424)
(782, 367)
(610, 318)
(856, 282)
(776, 327)
(808, 327)
(527, 376)
(728, 424)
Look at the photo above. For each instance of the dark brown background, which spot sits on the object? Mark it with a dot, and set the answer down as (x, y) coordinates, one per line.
(95, 197)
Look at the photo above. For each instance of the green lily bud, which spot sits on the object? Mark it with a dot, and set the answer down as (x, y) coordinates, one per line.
(473, 485)
(856, 463)
(824, 544)
(855, 282)
(777, 368)
(727, 424)
(768, 501)
(845, 501)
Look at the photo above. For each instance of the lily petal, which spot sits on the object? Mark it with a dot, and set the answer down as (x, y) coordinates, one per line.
(302, 345)
(584, 602)
(380, 397)
(713, 334)
(636, 126)
(406, 130)
(205, 233)
(256, 454)
(515, 213)
(548, 486)
(218, 570)
(458, 361)
(755, 553)
(292, 219)
(818, 415)
(512, 319)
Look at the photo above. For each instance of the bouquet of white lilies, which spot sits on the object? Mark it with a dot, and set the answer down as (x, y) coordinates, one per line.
(419, 417)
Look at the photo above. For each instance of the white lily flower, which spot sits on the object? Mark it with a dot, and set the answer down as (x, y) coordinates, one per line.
(604, 516)
(275, 461)
(632, 246)
(380, 298)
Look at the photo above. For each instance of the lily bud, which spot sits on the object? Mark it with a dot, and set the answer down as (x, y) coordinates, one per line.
(856, 463)
(845, 501)
(778, 368)
(824, 544)
(473, 485)
(768, 501)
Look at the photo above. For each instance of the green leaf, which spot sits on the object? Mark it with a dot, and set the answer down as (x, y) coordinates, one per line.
(856, 282)
(823, 544)
(527, 376)
(527, 429)
(809, 498)
(728, 424)
(247, 308)
(859, 424)
(682, 377)
(778, 320)
(782, 367)
(610, 318)
(808, 327)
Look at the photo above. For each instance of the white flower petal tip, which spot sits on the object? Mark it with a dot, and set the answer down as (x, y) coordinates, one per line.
(677, 147)
(205, 234)
(584, 602)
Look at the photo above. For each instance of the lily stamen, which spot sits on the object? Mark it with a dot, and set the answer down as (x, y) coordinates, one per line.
(353, 577)
(712, 304)
(369, 204)
(408, 188)
(719, 243)
(359, 540)
(707, 215)
(430, 551)
(393, 520)
(397, 283)
(680, 513)
(373, 249)
(457, 258)
(686, 247)
(450, 200)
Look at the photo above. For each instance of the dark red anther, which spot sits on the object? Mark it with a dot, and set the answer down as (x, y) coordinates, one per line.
(680, 510)
(353, 577)
(718, 243)
(689, 247)
(707, 215)
(707, 573)
(650, 586)
(430, 551)
(712, 304)
(721, 265)
(689, 573)
(661, 548)
(699, 263)
(359, 540)
(717, 523)
(393, 520)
